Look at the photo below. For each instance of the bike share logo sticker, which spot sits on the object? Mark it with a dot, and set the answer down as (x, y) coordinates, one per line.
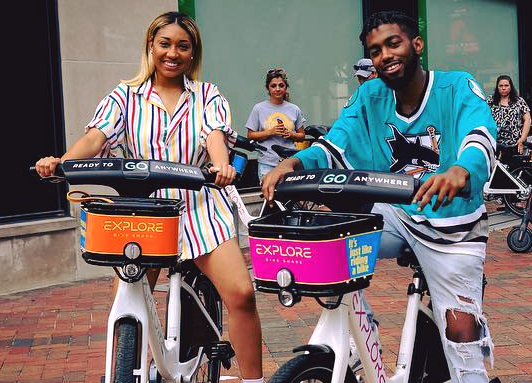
(136, 165)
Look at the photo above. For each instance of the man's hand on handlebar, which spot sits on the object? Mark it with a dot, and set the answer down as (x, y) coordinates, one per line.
(276, 174)
(446, 185)
(45, 167)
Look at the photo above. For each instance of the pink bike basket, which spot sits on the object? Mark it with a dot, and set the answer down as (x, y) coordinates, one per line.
(326, 253)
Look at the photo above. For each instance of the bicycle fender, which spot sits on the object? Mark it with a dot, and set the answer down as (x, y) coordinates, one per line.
(314, 349)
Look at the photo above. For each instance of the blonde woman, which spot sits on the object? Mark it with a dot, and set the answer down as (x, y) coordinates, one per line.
(165, 113)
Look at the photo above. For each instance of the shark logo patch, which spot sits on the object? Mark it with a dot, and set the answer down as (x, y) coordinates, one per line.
(417, 155)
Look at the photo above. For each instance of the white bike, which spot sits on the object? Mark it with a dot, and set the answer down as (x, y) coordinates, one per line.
(331, 256)
(133, 233)
(512, 182)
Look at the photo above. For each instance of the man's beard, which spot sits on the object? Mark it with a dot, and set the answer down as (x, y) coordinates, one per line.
(409, 72)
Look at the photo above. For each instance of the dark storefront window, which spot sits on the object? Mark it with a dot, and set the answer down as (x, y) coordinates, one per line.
(33, 115)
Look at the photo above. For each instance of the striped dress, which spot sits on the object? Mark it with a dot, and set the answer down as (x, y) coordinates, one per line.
(137, 125)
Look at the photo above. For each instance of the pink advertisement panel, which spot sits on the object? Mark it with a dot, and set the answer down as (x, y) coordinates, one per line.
(316, 262)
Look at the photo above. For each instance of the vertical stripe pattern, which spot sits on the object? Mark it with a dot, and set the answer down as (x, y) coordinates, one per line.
(137, 125)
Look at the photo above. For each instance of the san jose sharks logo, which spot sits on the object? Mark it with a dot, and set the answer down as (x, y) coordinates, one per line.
(414, 155)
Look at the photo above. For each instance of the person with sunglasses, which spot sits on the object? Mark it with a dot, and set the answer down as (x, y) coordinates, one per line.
(275, 121)
(364, 70)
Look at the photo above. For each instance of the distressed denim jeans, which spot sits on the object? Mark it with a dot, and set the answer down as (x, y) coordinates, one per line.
(455, 284)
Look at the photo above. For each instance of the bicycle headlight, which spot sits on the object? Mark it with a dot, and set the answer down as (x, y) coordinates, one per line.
(288, 298)
(132, 250)
(131, 270)
(284, 278)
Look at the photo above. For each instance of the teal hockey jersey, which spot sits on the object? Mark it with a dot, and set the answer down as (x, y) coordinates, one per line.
(453, 125)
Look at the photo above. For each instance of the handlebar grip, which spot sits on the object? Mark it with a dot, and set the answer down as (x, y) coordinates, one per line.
(58, 171)
(209, 177)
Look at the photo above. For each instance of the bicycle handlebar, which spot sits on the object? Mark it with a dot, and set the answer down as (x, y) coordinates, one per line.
(130, 177)
(283, 151)
(349, 190)
(247, 144)
(342, 188)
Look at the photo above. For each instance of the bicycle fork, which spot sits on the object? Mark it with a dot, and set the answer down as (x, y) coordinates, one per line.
(351, 319)
(334, 328)
(135, 300)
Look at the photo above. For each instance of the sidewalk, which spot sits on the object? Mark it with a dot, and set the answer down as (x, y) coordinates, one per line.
(57, 334)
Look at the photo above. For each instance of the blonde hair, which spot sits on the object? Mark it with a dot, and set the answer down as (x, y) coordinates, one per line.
(147, 68)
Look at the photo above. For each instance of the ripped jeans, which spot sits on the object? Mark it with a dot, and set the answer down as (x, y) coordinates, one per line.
(455, 284)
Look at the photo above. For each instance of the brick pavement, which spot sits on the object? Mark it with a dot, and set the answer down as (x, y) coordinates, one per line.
(57, 334)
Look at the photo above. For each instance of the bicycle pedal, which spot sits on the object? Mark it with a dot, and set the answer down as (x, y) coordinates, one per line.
(221, 350)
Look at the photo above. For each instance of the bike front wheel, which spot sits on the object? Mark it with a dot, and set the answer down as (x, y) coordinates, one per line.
(309, 368)
(519, 245)
(125, 357)
(517, 202)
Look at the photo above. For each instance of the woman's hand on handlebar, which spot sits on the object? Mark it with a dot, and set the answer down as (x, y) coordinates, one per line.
(225, 174)
(446, 185)
(45, 167)
(276, 174)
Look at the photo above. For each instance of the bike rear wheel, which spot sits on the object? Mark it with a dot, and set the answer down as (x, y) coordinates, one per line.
(517, 202)
(519, 245)
(126, 351)
(309, 368)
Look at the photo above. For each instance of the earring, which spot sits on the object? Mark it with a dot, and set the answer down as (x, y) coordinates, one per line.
(191, 58)
(151, 51)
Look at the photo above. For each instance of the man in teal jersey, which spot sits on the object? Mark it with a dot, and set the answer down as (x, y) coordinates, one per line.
(438, 127)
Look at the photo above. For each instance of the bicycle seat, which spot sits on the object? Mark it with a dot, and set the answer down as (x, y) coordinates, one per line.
(316, 131)
(407, 258)
(284, 152)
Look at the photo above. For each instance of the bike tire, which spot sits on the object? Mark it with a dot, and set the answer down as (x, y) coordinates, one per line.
(208, 372)
(517, 203)
(126, 356)
(309, 368)
(519, 246)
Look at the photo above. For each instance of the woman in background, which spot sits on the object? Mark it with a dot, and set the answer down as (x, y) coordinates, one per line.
(512, 115)
(275, 121)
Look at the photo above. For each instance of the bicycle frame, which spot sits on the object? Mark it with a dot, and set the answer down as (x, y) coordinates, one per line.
(350, 318)
(135, 300)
